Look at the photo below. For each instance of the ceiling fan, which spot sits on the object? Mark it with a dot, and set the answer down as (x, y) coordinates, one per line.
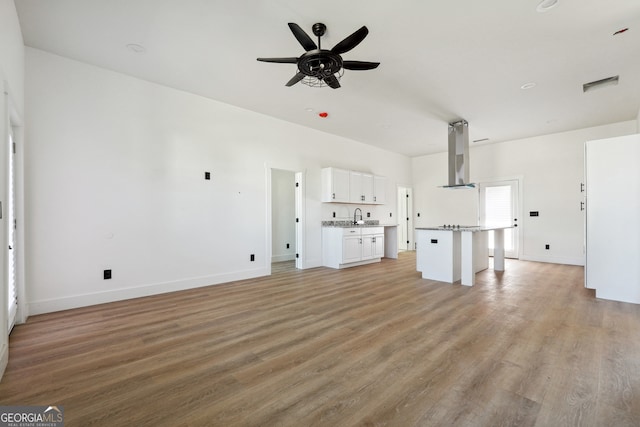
(317, 66)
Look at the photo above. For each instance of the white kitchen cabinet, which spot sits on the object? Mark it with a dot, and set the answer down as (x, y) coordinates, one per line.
(351, 249)
(366, 247)
(344, 186)
(379, 190)
(348, 247)
(372, 242)
(361, 187)
(378, 245)
(335, 185)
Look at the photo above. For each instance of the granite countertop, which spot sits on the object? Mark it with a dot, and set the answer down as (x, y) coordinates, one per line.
(349, 224)
(471, 228)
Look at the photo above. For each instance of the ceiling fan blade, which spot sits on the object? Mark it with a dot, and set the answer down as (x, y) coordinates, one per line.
(280, 60)
(332, 81)
(304, 39)
(359, 65)
(295, 79)
(350, 42)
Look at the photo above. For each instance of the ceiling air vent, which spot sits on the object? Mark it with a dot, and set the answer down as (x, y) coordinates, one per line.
(609, 81)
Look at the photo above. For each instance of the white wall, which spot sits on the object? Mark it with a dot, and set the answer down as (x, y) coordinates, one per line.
(551, 168)
(12, 54)
(11, 105)
(283, 215)
(115, 180)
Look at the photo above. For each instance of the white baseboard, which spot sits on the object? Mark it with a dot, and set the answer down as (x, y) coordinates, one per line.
(554, 260)
(284, 257)
(75, 301)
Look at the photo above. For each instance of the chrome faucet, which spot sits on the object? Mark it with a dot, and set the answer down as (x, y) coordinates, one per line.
(355, 218)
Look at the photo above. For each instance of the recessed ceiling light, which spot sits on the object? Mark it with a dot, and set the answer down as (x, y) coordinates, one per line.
(529, 85)
(309, 109)
(136, 48)
(545, 5)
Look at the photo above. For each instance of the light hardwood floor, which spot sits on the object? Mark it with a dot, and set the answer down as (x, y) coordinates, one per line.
(375, 345)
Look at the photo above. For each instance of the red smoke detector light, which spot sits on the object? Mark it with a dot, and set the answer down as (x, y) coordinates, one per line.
(324, 114)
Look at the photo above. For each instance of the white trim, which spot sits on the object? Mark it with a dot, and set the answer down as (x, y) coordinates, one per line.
(23, 311)
(4, 335)
(268, 221)
(75, 301)
(282, 258)
(299, 213)
(301, 209)
(554, 259)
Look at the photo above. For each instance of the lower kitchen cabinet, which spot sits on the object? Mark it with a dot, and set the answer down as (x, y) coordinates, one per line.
(348, 247)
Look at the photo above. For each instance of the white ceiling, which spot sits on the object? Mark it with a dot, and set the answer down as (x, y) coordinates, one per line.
(440, 60)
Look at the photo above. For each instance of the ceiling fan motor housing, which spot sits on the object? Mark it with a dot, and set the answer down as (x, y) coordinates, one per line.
(319, 63)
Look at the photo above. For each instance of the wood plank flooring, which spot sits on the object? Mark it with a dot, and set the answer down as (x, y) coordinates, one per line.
(375, 345)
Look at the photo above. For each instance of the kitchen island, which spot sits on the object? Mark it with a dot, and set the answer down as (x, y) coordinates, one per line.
(452, 253)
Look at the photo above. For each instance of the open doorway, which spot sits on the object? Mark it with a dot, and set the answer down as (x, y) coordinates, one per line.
(287, 219)
(405, 219)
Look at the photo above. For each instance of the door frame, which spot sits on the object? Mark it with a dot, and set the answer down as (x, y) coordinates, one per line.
(402, 193)
(11, 229)
(300, 210)
(14, 123)
(519, 179)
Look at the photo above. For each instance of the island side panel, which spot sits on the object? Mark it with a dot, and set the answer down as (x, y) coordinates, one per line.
(438, 254)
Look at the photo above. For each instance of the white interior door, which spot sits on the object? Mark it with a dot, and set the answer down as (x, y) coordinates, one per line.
(499, 207)
(12, 298)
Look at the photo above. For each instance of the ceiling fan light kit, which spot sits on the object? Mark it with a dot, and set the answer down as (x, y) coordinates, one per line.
(319, 67)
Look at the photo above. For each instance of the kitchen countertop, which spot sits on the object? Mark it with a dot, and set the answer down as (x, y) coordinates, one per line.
(349, 224)
(472, 228)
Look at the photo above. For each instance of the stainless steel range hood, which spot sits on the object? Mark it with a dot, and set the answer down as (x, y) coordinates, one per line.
(459, 156)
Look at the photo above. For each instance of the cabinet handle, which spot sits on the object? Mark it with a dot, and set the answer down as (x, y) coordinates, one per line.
(360, 241)
(333, 196)
(582, 187)
(362, 198)
(581, 206)
(374, 240)
(375, 199)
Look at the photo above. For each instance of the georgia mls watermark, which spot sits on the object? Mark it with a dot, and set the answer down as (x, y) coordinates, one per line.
(31, 416)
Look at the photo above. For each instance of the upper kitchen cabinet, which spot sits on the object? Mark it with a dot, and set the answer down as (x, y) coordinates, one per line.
(335, 185)
(361, 187)
(379, 189)
(343, 186)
